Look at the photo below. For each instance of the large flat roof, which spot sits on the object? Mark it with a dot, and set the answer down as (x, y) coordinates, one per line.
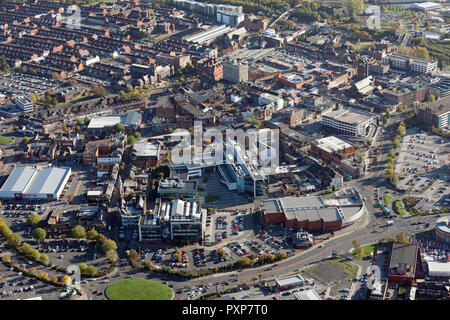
(146, 149)
(293, 203)
(348, 116)
(104, 121)
(307, 295)
(48, 180)
(291, 280)
(35, 180)
(331, 144)
(18, 179)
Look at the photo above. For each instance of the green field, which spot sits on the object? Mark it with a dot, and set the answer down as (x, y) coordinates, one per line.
(327, 194)
(387, 199)
(138, 289)
(79, 99)
(398, 207)
(367, 250)
(5, 140)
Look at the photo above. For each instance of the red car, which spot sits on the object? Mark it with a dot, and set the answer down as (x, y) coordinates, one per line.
(275, 265)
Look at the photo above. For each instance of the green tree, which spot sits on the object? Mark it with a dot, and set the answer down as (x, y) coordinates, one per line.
(137, 135)
(6, 258)
(43, 275)
(78, 232)
(401, 130)
(109, 244)
(54, 279)
(33, 219)
(99, 91)
(431, 98)
(78, 120)
(34, 97)
(112, 255)
(397, 141)
(131, 140)
(280, 255)
(394, 179)
(402, 238)
(14, 240)
(92, 234)
(32, 272)
(91, 271)
(39, 234)
(43, 258)
(355, 7)
(118, 127)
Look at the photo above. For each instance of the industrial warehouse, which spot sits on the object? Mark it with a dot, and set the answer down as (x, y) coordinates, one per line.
(32, 182)
(313, 213)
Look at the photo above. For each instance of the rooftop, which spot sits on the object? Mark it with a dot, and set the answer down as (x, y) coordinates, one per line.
(146, 149)
(403, 259)
(35, 180)
(348, 116)
(332, 144)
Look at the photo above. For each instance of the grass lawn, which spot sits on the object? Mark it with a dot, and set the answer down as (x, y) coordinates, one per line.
(367, 250)
(138, 289)
(327, 194)
(5, 140)
(79, 99)
(387, 199)
(398, 207)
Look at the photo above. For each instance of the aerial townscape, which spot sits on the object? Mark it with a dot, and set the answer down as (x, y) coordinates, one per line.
(224, 150)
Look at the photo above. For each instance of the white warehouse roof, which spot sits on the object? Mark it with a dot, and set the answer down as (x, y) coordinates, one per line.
(438, 269)
(35, 182)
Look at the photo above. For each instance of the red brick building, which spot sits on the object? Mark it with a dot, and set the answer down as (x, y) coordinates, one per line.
(332, 149)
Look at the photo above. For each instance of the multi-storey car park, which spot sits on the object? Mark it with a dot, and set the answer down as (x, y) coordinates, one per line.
(348, 122)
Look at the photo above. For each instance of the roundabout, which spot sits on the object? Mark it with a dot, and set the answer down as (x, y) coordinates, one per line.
(138, 289)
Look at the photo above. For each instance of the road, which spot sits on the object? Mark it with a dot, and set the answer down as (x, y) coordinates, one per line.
(284, 14)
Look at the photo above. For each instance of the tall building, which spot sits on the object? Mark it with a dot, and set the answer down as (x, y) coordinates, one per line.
(177, 220)
(436, 114)
(235, 72)
(25, 104)
(410, 64)
(346, 121)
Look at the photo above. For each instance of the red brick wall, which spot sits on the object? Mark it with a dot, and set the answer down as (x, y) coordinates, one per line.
(309, 225)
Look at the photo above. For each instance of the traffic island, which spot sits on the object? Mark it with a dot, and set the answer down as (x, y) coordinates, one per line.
(138, 289)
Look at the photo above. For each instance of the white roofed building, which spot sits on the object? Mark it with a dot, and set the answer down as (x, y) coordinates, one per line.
(177, 220)
(32, 182)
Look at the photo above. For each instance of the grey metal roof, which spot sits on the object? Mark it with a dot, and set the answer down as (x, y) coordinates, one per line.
(132, 118)
(47, 180)
(271, 206)
(293, 203)
(28, 179)
(19, 179)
